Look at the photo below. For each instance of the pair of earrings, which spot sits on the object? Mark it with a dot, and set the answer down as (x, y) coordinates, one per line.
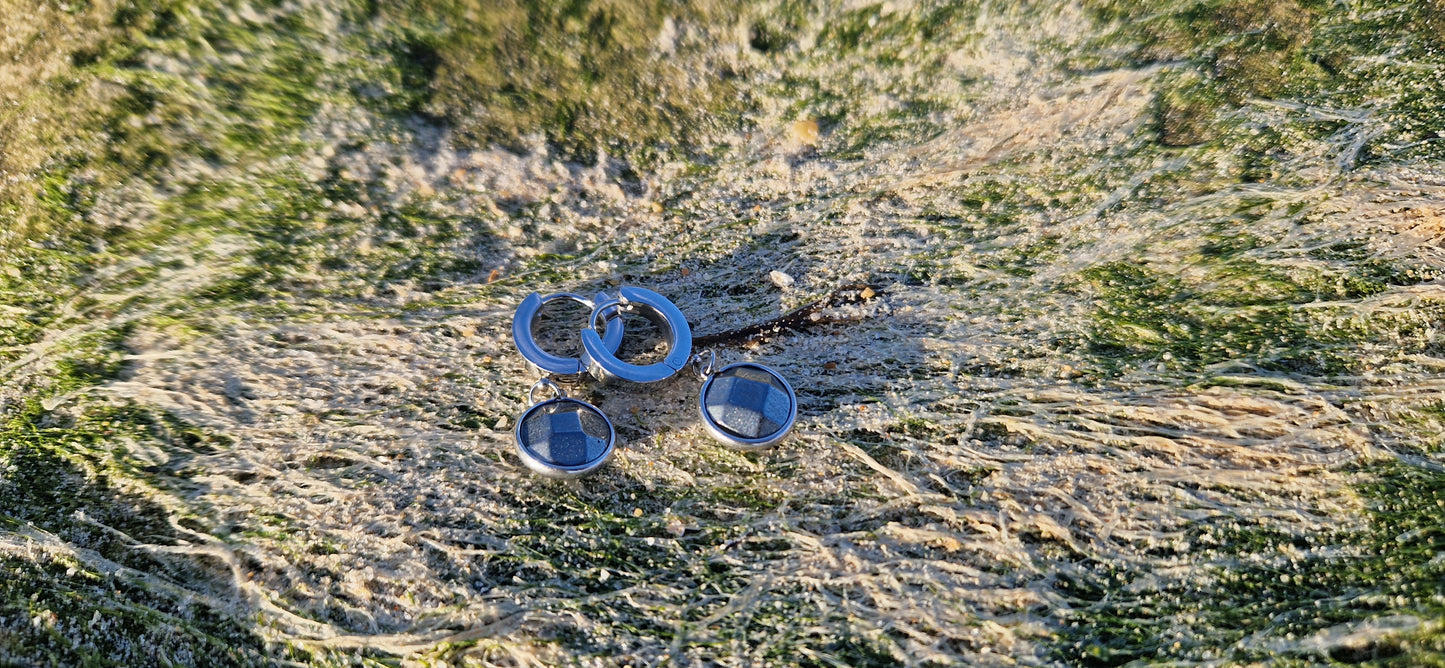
(745, 406)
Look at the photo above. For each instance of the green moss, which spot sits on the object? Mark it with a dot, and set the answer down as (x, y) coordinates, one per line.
(870, 41)
(117, 118)
(753, 497)
(1232, 52)
(1216, 31)
(870, 25)
(1262, 587)
(58, 610)
(846, 642)
(1186, 111)
(568, 540)
(589, 75)
(38, 111)
(57, 614)
(93, 359)
(1242, 310)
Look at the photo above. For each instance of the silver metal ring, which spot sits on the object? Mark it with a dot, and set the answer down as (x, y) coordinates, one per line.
(600, 309)
(704, 369)
(545, 384)
(544, 361)
(601, 361)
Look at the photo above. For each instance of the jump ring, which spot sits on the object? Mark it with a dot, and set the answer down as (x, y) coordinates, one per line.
(545, 384)
(704, 370)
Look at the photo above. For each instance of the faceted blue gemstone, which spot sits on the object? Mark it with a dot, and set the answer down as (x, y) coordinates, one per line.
(748, 402)
(565, 433)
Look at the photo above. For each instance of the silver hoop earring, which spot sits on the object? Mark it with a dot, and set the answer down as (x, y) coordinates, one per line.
(746, 406)
(563, 437)
(604, 365)
(543, 361)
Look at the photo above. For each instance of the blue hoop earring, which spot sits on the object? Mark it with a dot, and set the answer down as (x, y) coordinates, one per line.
(543, 361)
(604, 365)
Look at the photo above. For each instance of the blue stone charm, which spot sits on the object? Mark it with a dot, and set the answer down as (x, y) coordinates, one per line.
(564, 438)
(747, 406)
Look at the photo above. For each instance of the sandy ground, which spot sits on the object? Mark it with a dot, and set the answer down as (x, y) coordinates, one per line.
(965, 444)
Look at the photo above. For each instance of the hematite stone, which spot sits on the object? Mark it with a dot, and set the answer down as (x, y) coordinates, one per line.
(748, 402)
(565, 433)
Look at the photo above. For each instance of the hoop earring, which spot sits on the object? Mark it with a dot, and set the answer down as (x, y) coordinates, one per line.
(604, 365)
(544, 362)
(560, 437)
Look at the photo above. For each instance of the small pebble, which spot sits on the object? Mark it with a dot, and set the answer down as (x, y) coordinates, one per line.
(492, 277)
(501, 423)
(830, 366)
(780, 279)
(803, 132)
(637, 512)
(867, 293)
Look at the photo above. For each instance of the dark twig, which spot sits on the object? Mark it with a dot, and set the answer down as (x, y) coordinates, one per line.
(802, 318)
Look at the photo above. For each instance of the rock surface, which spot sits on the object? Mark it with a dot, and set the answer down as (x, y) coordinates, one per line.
(1152, 370)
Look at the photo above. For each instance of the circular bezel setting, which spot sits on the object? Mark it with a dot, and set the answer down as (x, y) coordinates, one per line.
(732, 439)
(542, 465)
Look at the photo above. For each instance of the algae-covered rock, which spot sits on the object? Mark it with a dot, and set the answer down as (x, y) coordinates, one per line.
(1140, 360)
(588, 76)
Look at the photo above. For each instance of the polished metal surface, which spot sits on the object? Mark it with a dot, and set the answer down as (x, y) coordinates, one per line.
(747, 406)
(544, 384)
(602, 362)
(525, 319)
(563, 437)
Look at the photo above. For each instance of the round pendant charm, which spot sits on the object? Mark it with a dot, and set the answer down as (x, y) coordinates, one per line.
(564, 438)
(747, 406)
